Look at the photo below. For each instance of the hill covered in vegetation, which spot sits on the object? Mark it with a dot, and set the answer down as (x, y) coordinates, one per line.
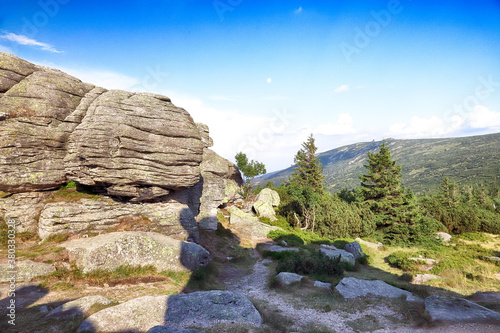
(425, 162)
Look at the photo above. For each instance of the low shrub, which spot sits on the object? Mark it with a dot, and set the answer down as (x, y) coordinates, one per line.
(311, 263)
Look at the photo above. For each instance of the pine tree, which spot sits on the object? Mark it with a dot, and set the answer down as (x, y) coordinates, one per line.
(381, 189)
(309, 171)
(250, 170)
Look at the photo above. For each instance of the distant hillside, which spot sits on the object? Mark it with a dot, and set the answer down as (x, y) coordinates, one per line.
(425, 162)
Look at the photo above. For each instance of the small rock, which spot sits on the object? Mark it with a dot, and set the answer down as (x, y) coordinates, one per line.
(444, 236)
(427, 261)
(355, 249)
(284, 243)
(328, 247)
(421, 278)
(323, 285)
(352, 288)
(267, 262)
(376, 246)
(44, 309)
(344, 255)
(486, 297)
(105, 285)
(286, 278)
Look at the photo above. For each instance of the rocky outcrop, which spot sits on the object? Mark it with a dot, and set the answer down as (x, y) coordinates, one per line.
(287, 279)
(207, 308)
(109, 251)
(355, 249)
(89, 215)
(166, 329)
(352, 288)
(458, 310)
(55, 129)
(248, 226)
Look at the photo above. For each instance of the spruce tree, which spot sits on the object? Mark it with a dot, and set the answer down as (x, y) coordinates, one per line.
(308, 171)
(381, 189)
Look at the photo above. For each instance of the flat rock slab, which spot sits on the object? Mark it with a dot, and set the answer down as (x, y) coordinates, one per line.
(344, 255)
(286, 278)
(137, 315)
(352, 288)
(458, 310)
(207, 308)
(78, 307)
(26, 270)
(135, 248)
(277, 249)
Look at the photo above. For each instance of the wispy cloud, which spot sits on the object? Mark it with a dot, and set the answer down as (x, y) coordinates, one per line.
(298, 10)
(23, 40)
(6, 49)
(341, 89)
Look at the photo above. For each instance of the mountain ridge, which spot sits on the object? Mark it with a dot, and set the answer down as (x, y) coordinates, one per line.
(425, 162)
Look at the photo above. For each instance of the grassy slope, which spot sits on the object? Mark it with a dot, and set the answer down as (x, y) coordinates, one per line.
(425, 162)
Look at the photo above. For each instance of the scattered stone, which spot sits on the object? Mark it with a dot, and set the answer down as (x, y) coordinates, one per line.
(494, 258)
(277, 248)
(344, 255)
(458, 310)
(328, 247)
(323, 285)
(267, 262)
(286, 278)
(207, 308)
(283, 243)
(79, 307)
(445, 237)
(355, 249)
(485, 297)
(376, 246)
(270, 196)
(135, 248)
(266, 200)
(248, 226)
(422, 278)
(137, 315)
(26, 270)
(352, 288)
(426, 260)
(44, 309)
(165, 329)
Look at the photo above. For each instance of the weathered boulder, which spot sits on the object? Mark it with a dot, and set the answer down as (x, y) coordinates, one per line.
(77, 308)
(248, 226)
(134, 248)
(344, 255)
(323, 285)
(270, 196)
(137, 315)
(266, 200)
(355, 249)
(286, 278)
(24, 208)
(207, 308)
(205, 135)
(25, 270)
(458, 310)
(98, 215)
(352, 288)
(135, 139)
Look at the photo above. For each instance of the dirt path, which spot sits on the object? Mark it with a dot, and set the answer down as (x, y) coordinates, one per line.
(255, 287)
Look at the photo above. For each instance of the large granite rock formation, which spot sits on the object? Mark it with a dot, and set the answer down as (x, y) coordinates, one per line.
(131, 147)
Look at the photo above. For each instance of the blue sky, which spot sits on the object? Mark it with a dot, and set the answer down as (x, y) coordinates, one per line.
(265, 74)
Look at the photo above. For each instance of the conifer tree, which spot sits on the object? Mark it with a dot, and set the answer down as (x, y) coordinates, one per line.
(381, 189)
(309, 171)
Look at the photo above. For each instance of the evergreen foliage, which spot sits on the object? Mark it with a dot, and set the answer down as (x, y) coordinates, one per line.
(250, 170)
(309, 171)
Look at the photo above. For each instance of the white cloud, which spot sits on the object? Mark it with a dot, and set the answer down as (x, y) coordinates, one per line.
(343, 125)
(341, 89)
(23, 40)
(105, 79)
(481, 117)
(298, 10)
(269, 80)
